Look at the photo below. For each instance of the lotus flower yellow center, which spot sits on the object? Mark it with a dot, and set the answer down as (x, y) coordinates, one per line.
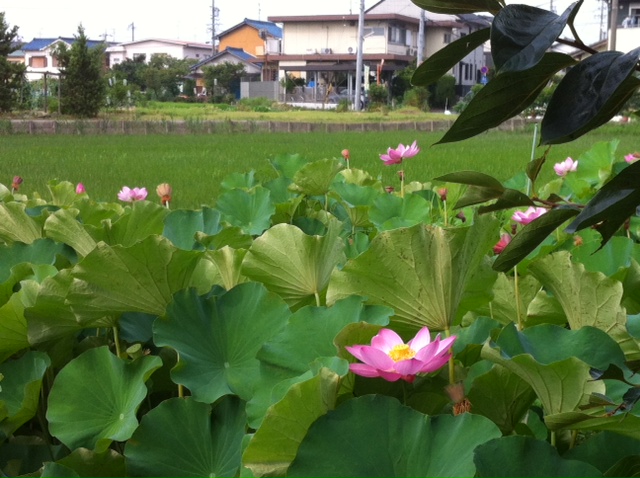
(401, 352)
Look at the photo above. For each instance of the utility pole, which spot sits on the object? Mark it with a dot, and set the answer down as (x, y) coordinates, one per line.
(133, 28)
(213, 27)
(359, 57)
(423, 19)
(613, 25)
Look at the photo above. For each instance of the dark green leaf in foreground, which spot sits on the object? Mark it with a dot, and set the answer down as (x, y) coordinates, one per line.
(375, 435)
(530, 236)
(95, 397)
(612, 205)
(182, 437)
(442, 61)
(521, 35)
(520, 456)
(589, 95)
(460, 6)
(20, 390)
(504, 97)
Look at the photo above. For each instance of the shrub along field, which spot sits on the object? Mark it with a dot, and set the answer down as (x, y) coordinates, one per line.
(195, 165)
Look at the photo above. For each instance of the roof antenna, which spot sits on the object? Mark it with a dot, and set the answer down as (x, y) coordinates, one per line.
(259, 11)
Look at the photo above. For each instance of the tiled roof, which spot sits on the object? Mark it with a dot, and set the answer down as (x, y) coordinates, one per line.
(38, 44)
(237, 52)
(271, 28)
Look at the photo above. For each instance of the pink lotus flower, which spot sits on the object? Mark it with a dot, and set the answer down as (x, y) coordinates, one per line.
(632, 158)
(80, 189)
(395, 156)
(15, 185)
(529, 215)
(565, 167)
(502, 243)
(390, 358)
(129, 195)
(346, 155)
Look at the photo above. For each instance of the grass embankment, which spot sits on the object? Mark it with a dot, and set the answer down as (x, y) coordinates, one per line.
(195, 165)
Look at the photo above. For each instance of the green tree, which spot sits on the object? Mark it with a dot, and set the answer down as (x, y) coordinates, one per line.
(132, 71)
(11, 74)
(223, 79)
(83, 90)
(164, 75)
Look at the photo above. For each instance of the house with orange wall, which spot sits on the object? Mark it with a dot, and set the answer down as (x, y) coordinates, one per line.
(257, 38)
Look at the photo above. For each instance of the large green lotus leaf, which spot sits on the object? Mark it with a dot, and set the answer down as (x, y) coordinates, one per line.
(183, 437)
(505, 303)
(24, 454)
(632, 288)
(522, 456)
(16, 225)
(20, 390)
(86, 462)
(217, 338)
(280, 193)
(50, 317)
(613, 259)
(470, 339)
(140, 278)
(181, 226)
(314, 179)
(95, 397)
(239, 181)
(13, 328)
(94, 213)
(142, 220)
(587, 298)
(63, 193)
(63, 226)
(231, 236)
(421, 272)
(275, 444)
(20, 261)
(545, 309)
(293, 264)
(559, 374)
(311, 333)
(596, 420)
(227, 264)
(604, 450)
(249, 210)
(502, 397)
(391, 212)
(55, 470)
(287, 165)
(596, 167)
(355, 194)
(360, 178)
(375, 435)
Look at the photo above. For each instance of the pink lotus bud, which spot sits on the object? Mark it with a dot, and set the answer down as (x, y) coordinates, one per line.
(632, 158)
(80, 189)
(505, 239)
(345, 154)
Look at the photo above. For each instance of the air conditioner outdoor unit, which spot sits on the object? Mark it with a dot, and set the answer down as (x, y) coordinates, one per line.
(311, 51)
(326, 51)
(413, 51)
(351, 50)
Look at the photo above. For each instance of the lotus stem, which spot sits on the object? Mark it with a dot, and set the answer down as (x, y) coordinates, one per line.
(445, 212)
(180, 386)
(553, 438)
(516, 291)
(402, 186)
(452, 369)
(317, 298)
(116, 339)
(574, 438)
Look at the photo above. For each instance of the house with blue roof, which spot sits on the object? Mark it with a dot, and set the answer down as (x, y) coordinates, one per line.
(258, 38)
(252, 67)
(39, 58)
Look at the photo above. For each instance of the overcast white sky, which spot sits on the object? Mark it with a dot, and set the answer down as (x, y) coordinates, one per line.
(191, 20)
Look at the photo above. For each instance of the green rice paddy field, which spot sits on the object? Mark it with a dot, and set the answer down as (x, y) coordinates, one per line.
(195, 165)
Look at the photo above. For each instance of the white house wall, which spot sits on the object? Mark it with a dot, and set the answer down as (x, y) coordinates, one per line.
(308, 38)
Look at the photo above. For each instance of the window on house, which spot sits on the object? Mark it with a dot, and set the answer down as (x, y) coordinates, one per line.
(137, 56)
(38, 62)
(54, 62)
(373, 31)
(447, 38)
(397, 35)
(634, 15)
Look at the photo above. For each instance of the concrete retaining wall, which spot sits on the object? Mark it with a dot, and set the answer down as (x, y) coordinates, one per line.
(45, 126)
